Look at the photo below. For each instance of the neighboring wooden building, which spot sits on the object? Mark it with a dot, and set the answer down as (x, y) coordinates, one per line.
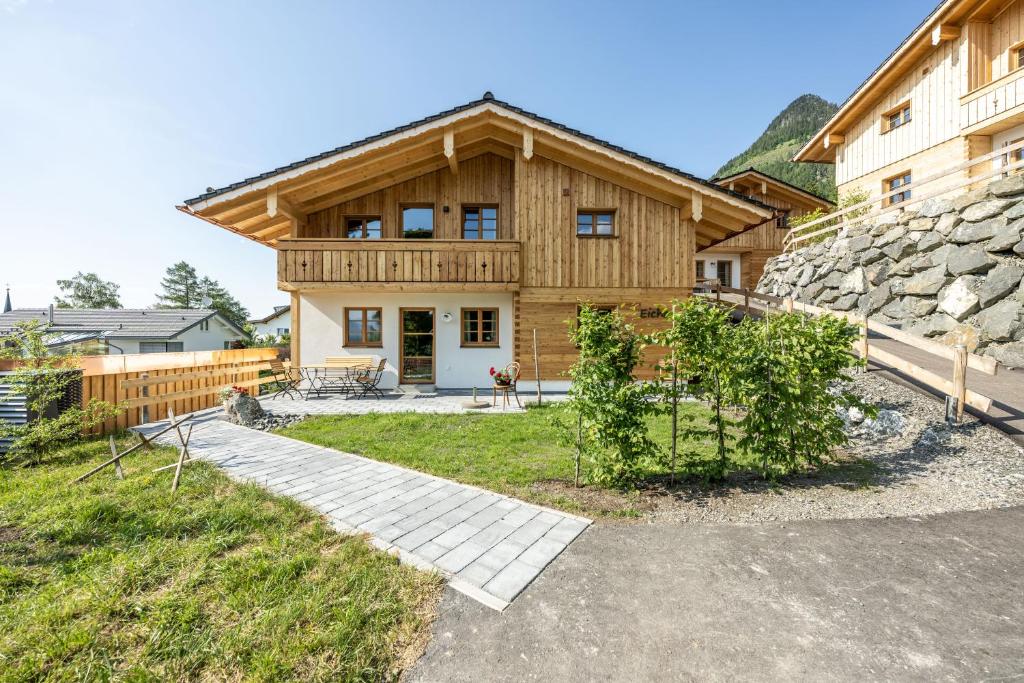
(952, 91)
(441, 245)
(739, 261)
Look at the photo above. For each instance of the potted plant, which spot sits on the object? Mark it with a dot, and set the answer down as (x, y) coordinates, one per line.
(501, 378)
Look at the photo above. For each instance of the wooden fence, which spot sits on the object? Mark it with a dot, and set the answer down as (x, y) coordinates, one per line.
(961, 359)
(150, 383)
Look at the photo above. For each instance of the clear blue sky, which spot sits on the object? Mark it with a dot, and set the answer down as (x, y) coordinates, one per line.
(113, 112)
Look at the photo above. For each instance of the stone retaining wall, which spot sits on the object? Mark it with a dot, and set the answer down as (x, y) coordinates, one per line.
(950, 269)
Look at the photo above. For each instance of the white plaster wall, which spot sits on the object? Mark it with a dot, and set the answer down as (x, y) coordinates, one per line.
(270, 327)
(711, 262)
(322, 328)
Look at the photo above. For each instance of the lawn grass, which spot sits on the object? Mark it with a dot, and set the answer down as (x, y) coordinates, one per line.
(508, 453)
(121, 580)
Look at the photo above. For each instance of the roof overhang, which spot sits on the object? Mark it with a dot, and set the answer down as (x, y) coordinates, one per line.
(764, 184)
(266, 208)
(942, 24)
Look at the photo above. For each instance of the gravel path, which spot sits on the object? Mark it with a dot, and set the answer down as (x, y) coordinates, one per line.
(928, 468)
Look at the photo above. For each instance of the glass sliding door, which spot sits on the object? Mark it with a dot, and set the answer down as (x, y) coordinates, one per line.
(417, 366)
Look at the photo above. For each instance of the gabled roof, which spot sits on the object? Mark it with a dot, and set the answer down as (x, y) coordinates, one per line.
(770, 179)
(907, 54)
(124, 323)
(307, 185)
(278, 311)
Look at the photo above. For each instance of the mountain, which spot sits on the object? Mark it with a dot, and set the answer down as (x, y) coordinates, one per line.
(785, 135)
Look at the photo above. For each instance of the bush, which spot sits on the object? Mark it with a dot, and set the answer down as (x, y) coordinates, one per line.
(610, 406)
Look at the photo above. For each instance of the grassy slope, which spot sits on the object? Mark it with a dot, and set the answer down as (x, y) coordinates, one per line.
(505, 453)
(118, 579)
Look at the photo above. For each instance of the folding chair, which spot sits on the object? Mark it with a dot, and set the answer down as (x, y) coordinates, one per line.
(371, 379)
(286, 380)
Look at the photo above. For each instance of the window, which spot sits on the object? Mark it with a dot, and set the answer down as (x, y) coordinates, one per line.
(595, 223)
(894, 118)
(1014, 156)
(281, 331)
(894, 183)
(205, 325)
(479, 222)
(363, 327)
(700, 269)
(362, 227)
(782, 221)
(418, 222)
(161, 347)
(479, 326)
(723, 273)
(1017, 57)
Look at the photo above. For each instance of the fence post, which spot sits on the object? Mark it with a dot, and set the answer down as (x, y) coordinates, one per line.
(746, 301)
(788, 303)
(864, 341)
(959, 380)
(144, 417)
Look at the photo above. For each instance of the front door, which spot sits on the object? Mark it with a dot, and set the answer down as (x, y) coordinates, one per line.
(417, 341)
(724, 272)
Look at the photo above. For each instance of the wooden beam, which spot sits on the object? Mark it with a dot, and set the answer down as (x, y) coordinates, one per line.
(449, 151)
(527, 143)
(279, 206)
(834, 139)
(697, 201)
(943, 32)
(764, 188)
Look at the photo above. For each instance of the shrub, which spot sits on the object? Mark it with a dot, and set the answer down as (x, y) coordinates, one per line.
(610, 406)
(788, 371)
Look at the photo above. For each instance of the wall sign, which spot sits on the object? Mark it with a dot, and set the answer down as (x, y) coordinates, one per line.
(658, 312)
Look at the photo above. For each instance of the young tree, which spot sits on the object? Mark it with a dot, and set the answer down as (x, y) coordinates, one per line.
(87, 290)
(611, 406)
(44, 379)
(701, 345)
(183, 288)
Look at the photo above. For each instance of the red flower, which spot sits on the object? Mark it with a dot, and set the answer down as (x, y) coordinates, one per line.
(492, 371)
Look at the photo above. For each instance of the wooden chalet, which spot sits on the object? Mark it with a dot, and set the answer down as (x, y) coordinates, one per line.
(739, 261)
(441, 245)
(951, 92)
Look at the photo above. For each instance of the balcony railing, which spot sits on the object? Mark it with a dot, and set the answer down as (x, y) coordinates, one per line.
(427, 262)
(978, 107)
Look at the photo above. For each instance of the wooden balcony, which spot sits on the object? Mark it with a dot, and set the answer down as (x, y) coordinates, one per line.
(992, 104)
(398, 265)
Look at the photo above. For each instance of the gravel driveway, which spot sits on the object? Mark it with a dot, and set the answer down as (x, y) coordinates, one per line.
(936, 598)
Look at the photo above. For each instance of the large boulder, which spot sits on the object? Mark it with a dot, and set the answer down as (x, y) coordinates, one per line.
(982, 231)
(933, 208)
(869, 256)
(1011, 355)
(891, 236)
(985, 209)
(918, 306)
(921, 224)
(1007, 187)
(827, 296)
(929, 242)
(947, 222)
(877, 272)
(1014, 212)
(810, 291)
(927, 282)
(243, 409)
(933, 325)
(900, 249)
(1003, 322)
(860, 243)
(806, 275)
(969, 259)
(833, 280)
(1005, 238)
(845, 303)
(960, 299)
(880, 296)
(855, 282)
(1000, 282)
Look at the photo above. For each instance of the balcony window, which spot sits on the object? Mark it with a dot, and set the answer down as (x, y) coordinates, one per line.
(363, 227)
(895, 118)
(363, 327)
(479, 326)
(595, 223)
(895, 183)
(479, 222)
(1017, 57)
(418, 222)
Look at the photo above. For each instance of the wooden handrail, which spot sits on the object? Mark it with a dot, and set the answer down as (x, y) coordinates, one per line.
(796, 234)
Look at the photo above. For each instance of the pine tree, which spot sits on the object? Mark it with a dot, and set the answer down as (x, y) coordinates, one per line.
(183, 288)
(87, 290)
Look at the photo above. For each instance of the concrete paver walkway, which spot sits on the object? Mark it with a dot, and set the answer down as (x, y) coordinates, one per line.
(489, 546)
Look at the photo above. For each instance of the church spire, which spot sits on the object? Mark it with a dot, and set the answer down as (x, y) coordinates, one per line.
(7, 301)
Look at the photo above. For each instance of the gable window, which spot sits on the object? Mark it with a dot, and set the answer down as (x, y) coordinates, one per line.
(895, 183)
(595, 223)
(782, 221)
(479, 326)
(363, 327)
(700, 269)
(362, 227)
(205, 325)
(418, 222)
(479, 222)
(894, 118)
(1017, 57)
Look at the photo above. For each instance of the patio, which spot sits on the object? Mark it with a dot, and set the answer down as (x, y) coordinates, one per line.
(441, 401)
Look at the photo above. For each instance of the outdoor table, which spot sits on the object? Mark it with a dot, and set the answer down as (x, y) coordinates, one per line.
(324, 378)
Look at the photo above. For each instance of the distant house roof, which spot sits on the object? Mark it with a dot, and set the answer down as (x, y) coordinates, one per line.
(751, 171)
(278, 311)
(123, 323)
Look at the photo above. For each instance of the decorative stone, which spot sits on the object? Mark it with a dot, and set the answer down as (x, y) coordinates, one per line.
(960, 299)
(1001, 281)
(806, 275)
(985, 209)
(845, 264)
(839, 247)
(1011, 355)
(869, 256)
(933, 208)
(900, 249)
(855, 282)
(833, 280)
(845, 303)
(1019, 249)
(947, 222)
(810, 291)
(939, 256)
(898, 285)
(859, 244)
(918, 306)
(929, 241)
(927, 282)
(1003, 322)
(966, 233)
(243, 409)
(891, 236)
(1007, 187)
(877, 272)
(1005, 238)
(921, 224)
(1014, 212)
(967, 199)
(933, 325)
(894, 310)
(903, 268)
(970, 259)
(879, 297)
(920, 262)
(828, 296)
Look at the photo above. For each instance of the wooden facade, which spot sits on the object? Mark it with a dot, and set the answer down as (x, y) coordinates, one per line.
(960, 73)
(534, 176)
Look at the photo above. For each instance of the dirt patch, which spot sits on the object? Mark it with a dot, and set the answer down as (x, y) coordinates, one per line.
(10, 534)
